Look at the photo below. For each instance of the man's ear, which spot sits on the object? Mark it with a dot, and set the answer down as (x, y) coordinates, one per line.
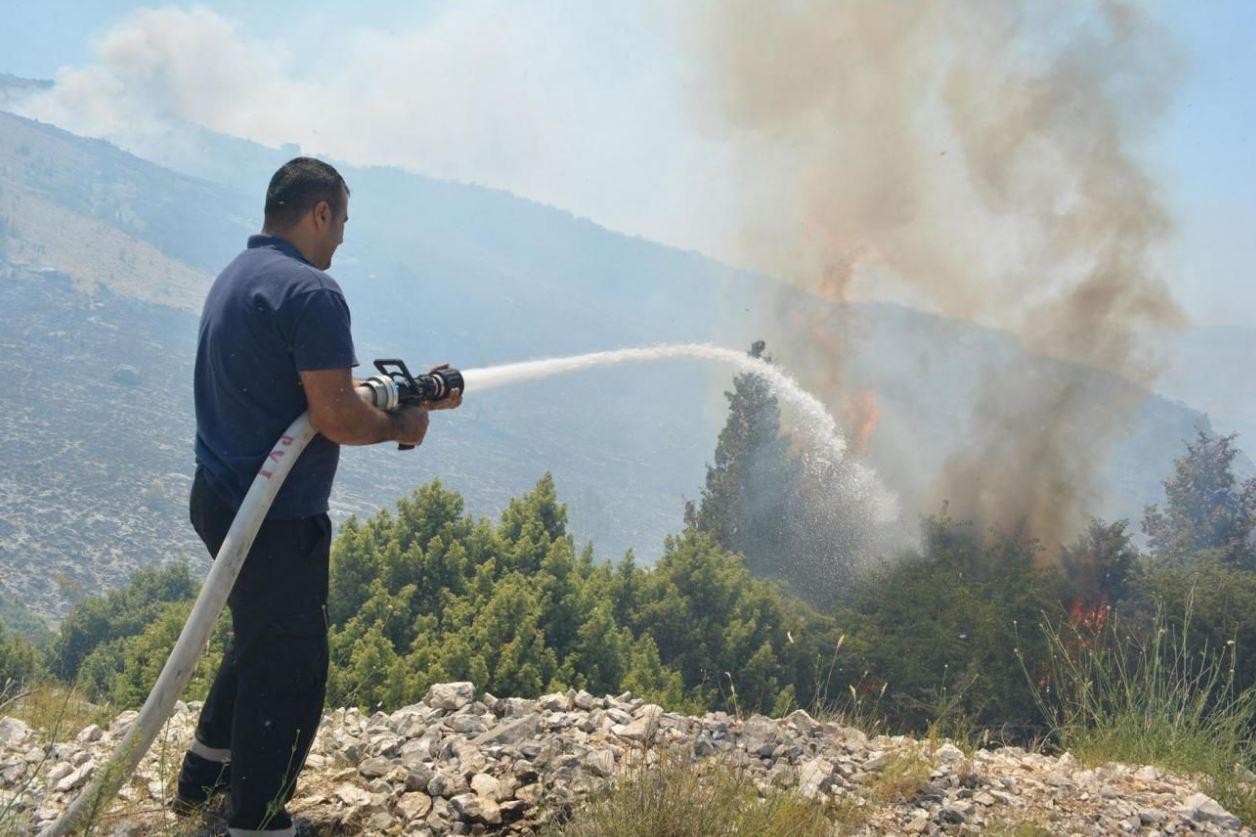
(322, 215)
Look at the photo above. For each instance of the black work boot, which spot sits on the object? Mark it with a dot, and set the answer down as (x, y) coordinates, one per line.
(199, 781)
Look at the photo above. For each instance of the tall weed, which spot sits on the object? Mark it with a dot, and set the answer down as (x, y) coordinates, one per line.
(1150, 697)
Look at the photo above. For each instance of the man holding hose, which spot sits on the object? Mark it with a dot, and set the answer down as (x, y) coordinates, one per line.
(275, 342)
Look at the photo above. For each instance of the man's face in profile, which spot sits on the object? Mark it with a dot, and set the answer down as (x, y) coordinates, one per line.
(333, 230)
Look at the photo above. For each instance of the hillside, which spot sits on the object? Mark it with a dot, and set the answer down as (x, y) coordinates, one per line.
(104, 256)
(452, 764)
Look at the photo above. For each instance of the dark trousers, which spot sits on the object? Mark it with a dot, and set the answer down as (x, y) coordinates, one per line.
(267, 700)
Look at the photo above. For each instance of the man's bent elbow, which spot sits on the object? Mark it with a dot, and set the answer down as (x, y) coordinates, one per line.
(360, 429)
(340, 432)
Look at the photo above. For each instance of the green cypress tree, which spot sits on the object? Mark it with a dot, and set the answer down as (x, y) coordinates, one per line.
(784, 516)
(744, 502)
(1099, 564)
(1208, 514)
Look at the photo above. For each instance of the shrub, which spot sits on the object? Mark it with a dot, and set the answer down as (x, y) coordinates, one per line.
(935, 631)
(118, 614)
(20, 661)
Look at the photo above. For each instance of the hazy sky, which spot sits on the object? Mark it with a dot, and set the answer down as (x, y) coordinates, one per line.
(590, 107)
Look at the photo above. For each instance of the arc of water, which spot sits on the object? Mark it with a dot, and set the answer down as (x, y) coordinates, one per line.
(825, 448)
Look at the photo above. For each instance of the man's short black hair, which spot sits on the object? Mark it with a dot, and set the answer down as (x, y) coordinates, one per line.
(297, 188)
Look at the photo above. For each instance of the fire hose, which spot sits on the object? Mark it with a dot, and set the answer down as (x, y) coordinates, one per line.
(392, 388)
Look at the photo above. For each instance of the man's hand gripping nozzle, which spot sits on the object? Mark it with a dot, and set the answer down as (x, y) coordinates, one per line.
(394, 386)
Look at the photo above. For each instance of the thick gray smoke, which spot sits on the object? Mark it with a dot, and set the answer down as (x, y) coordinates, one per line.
(972, 157)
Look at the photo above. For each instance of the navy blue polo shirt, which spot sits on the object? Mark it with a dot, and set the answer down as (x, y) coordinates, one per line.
(269, 314)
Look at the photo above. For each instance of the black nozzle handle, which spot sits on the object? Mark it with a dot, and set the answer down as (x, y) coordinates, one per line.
(434, 386)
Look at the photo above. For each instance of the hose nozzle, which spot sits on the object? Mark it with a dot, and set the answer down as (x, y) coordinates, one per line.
(395, 386)
(440, 384)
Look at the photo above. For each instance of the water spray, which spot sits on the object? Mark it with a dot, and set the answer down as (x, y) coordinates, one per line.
(822, 451)
(394, 387)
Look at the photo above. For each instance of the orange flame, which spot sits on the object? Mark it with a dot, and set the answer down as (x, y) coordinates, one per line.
(861, 414)
(1090, 619)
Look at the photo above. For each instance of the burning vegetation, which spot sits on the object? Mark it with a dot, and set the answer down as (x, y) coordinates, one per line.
(973, 157)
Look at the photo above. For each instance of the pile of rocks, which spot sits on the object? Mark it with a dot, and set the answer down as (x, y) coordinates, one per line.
(456, 765)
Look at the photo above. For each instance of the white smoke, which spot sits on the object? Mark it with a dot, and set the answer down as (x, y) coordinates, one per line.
(571, 107)
(165, 64)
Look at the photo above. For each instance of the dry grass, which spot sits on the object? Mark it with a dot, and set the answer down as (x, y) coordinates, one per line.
(856, 715)
(966, 772)
(677, 798)
(56, 711)
(150, 817)
(902, 777)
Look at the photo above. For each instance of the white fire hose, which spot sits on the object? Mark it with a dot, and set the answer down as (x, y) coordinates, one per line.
(195, 635)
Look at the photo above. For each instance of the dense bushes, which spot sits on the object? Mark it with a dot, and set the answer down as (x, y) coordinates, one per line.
(424, 593)
(939, 629)
(98, 621)
(428, 594)
(113, 646)
(962, 628)
(1220, 600)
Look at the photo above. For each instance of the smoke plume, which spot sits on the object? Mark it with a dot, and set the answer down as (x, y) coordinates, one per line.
(510, 94)
(974, 158)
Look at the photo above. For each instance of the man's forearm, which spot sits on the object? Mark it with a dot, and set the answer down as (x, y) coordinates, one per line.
(357, 422)
(340, 413)
(370, 425)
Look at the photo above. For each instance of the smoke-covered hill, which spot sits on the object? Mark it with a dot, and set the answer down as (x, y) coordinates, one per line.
(1206, 370)
(14, 89)
(104, 257)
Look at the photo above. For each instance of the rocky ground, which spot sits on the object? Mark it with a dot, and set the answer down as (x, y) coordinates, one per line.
(455, 765)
